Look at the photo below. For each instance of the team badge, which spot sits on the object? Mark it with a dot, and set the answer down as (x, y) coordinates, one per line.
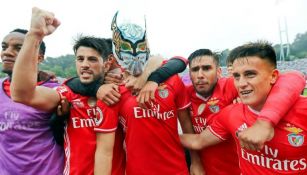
(163, 92)
(213, 105)
(92, 102)
(201, 108)
(295, 138)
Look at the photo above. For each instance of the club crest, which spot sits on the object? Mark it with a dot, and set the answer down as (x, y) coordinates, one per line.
(295, 138)
(213, 105)
(163, 91)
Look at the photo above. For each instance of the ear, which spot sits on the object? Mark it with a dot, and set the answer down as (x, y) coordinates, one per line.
(108, 63)
(275, 74)
(40, 58)
(219, 72)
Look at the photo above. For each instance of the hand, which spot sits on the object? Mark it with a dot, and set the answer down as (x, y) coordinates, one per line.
(135, 84)
(63, 108)
(108, 93)
(116, 78)
(147, 94)
(254, 137)
(43, 23)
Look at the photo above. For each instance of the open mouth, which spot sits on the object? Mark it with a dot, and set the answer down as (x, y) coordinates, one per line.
(246, 92)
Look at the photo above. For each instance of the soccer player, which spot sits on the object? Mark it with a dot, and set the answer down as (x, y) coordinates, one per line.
(209, 94)
(254, 71)
(91, 62)
(151, 134)
(27, 145)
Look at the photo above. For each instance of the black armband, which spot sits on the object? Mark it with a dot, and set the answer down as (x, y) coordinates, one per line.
(84, 89)
(170, 68)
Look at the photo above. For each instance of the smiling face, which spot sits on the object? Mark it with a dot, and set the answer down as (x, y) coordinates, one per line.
(204, 74)
(11, 46)
(89, 64)
(253, 78)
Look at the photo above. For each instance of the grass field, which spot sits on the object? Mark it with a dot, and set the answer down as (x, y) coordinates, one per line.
(305, 92)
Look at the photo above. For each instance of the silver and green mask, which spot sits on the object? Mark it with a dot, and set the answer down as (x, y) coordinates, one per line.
(130, 46)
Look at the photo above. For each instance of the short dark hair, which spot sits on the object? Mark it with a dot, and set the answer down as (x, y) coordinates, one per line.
(261, 49)
(42, 46)
(98, 44)
(110, 45)
(205, 52)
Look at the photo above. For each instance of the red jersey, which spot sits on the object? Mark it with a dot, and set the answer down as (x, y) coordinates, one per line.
(152, 141)
(286, 153)
(221, 158)
(79, 136)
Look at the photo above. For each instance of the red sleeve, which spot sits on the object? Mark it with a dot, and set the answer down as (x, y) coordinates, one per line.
(106, 117)
(282, 96)
(219, 126)
(64, 91)
(182, 99)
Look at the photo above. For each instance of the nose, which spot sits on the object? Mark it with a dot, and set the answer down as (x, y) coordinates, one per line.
(242, 82)
(200, 74)
(9, 52)
(85, 63)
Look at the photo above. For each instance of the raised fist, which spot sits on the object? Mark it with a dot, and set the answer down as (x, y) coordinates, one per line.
(43, 22)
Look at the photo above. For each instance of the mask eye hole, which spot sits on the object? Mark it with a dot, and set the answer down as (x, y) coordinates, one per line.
(125, 46)
(141, 47)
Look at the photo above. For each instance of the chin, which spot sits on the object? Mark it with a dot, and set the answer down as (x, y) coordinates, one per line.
(87, 81)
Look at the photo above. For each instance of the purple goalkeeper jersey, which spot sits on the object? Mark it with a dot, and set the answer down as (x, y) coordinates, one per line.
(27, 145)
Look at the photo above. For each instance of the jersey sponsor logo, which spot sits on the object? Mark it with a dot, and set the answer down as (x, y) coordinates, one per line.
(95, 118)
(200, 124)
(201, 108)
(213, 105)
(12, 120)
(162, 91)
(295, 138)
(268, 158)
(153, 111)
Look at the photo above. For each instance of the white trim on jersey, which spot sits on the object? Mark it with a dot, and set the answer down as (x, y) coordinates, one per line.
(214, 133)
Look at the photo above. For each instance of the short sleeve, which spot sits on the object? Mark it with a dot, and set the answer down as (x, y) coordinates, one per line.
(106, 117)
(182, 98)
(220, 125)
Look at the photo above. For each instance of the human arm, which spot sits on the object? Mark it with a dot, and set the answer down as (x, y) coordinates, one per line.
(199, 141)
(104, 153)
(174, 66)
(136, 83)
(24, 79)
(282, 97)
(196, 167)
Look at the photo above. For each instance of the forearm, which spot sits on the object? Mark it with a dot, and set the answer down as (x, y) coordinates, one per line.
(153, 64)
(24, 78)
(103, 164)
(282, 96)
(170, 68)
